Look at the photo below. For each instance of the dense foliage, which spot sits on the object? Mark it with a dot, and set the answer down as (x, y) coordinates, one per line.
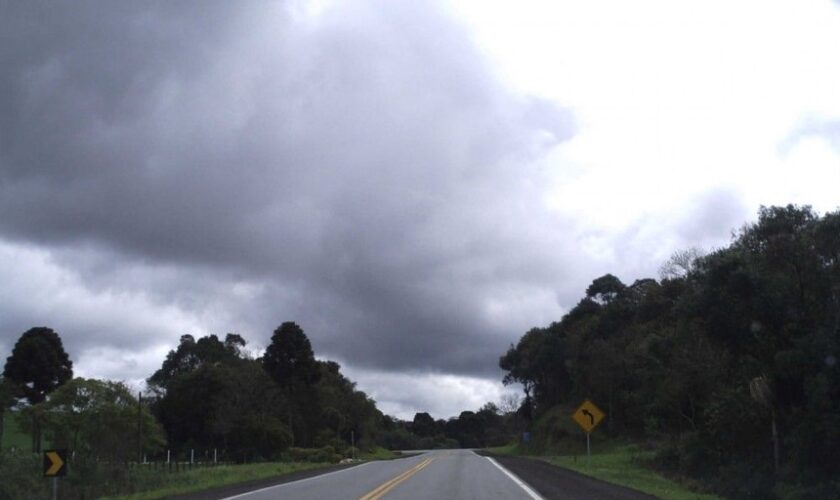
(488, 426)
(37, 366)
(730, 359)
(210, 394)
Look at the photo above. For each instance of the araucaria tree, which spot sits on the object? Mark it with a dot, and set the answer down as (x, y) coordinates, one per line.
(38, 365)
(289, 360)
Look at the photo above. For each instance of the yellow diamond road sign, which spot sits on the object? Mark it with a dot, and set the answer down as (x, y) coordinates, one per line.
(588, 416)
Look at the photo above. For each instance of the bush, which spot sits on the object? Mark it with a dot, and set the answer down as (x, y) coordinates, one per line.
(817, 491)
(744, 480)
(300, 454)
(21, 475)
(686, 456)
(325, 454)
(447, 444)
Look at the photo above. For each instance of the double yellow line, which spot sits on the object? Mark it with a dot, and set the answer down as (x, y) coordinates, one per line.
(387, 486)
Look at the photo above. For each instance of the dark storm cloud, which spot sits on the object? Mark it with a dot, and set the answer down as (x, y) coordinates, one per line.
(364, 171)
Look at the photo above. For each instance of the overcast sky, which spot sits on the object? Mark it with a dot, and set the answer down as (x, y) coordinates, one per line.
(415, 183)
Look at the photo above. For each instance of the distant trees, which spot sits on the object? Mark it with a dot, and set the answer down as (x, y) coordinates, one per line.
(211, 395)
(191, 355)
(488, 426)
(732, 357)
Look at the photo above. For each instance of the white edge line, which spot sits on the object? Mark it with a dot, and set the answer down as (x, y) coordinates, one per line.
(319, 476)
(533, 494)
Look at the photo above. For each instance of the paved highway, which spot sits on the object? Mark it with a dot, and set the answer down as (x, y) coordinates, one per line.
(449, 474)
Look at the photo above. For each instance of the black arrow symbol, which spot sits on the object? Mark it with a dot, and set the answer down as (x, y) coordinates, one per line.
(591, 416)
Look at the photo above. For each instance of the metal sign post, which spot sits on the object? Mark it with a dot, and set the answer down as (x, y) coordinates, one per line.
(55, 466)
(588, 451)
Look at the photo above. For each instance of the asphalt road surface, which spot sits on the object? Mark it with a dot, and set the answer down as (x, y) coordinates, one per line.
(455, 474)
(444, 474)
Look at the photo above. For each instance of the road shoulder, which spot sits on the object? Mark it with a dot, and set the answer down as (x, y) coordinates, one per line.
(239, 488)
(553, 482)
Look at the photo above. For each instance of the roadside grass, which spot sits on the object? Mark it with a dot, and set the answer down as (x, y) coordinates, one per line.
(625, 465)
(12, 435)
(507, 450)
(622, 464)
(379, 453)
(154, 484)
(159, 484)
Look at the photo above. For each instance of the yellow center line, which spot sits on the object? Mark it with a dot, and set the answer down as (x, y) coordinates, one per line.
(389, 485)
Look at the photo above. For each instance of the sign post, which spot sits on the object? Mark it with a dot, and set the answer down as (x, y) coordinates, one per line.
(588, 416)
(55, 466)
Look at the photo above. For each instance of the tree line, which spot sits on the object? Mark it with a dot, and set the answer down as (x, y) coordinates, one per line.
(212, 393)
(729, 361)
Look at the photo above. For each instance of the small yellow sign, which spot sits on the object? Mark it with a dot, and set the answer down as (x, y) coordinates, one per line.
(55, 463)
(588, 416)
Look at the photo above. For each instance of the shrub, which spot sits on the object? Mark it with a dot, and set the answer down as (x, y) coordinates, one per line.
(21, 475)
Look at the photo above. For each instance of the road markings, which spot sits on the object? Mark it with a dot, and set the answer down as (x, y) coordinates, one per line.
(533, 494)
(389, 485)
(320, 476)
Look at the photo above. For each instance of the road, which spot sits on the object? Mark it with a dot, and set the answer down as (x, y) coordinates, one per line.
(444, 474)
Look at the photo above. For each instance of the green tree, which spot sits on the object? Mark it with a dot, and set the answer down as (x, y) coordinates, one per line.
(605, 289)
(100, 419)
(733, 357)
(289, 358)
(7, 399)
(37, 366)
(191, 354)
(345, 409)
(247, 415)
(423, 425)
(538, 363)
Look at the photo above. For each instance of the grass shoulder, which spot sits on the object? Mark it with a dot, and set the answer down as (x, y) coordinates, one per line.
(202, 479)
(380, 453)
(161, 486)
(617, 463)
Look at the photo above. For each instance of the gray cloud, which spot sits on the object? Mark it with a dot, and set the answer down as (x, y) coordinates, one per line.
(363, 173)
